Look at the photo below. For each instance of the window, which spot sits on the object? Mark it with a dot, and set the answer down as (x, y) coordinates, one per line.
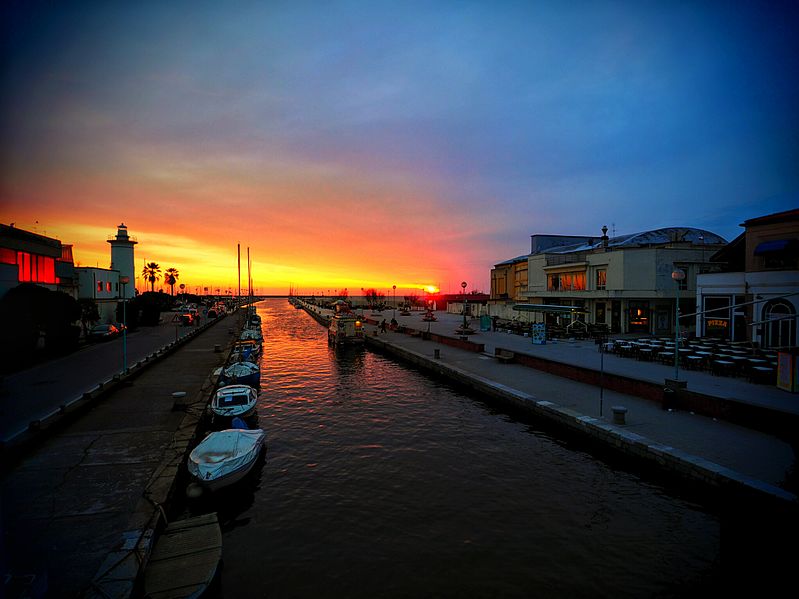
(35, 269)
(100, 286)
(566, 281)
(8, 256)
(601, 278)
(108, 286)
(717, 316)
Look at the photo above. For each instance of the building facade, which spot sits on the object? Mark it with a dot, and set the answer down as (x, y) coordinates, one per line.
(27, 257)
(623, 283)
(756, 296)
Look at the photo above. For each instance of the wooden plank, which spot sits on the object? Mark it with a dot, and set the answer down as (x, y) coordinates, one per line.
(185, 558)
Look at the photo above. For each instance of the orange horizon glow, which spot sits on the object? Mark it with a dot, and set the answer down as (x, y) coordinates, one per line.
(207, 263)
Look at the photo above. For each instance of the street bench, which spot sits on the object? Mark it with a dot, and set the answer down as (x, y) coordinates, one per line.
(503, 355)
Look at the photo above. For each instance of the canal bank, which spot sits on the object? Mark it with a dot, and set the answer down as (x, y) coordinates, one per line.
(83, 506)
(720, 456)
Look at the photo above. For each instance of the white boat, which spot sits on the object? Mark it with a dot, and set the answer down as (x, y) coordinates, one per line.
(233, 401)
(252, 334)
(241, 373)
(225, 457)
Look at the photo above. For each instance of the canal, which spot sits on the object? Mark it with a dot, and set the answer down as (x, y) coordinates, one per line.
(381, 482)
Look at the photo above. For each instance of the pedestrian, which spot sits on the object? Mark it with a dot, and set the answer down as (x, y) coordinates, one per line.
(493, 323)
(383, 326)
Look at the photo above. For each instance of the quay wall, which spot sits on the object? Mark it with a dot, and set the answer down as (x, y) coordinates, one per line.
(671, 461)
(752, 416)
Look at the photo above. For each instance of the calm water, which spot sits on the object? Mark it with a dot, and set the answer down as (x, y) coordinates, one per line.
(380, 482)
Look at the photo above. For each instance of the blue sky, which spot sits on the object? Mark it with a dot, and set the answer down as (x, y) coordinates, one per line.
(472, 123)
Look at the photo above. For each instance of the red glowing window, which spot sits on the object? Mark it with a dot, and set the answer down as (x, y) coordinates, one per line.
(8, 256)
(108, 286)
(100, 286)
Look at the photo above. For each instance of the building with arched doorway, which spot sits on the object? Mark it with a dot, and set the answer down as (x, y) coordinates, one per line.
(756, 296)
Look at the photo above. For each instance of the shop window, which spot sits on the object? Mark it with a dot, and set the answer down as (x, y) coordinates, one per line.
(638, 317)
(717, 317)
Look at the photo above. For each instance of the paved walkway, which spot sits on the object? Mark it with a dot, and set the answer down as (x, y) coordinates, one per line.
(84, 504)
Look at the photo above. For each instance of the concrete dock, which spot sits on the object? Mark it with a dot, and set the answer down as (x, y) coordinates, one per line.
(81, 508)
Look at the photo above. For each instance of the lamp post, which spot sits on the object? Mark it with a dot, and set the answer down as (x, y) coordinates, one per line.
(678, 275)
(394, 313)
(124, 281)
(463, 286)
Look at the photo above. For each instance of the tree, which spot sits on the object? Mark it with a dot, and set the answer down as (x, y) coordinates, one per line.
(151, 273)
(171, 277)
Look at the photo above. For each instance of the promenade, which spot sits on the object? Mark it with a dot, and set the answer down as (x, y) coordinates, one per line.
(80, 510)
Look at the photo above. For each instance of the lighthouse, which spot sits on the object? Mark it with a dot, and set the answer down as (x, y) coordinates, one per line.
(122, 259)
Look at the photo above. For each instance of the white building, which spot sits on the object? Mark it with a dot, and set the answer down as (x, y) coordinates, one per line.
(101, 285)
(122, 259)
(756, 298)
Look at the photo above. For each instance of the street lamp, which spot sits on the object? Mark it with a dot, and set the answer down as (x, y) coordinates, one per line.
(124, 281)
(678, 275)
(463, 286)
(394, 313)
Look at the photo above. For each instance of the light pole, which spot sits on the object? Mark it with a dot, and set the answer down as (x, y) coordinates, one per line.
(124, 281)
(394, 313)
(678, 275)
(463, 286)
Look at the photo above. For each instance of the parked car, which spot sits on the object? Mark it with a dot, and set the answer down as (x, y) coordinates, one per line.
(103, 332)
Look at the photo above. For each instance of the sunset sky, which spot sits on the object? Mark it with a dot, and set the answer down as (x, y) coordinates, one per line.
(371, 144)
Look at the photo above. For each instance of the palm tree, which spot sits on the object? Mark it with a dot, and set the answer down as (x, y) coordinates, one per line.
(171, 277)
(151, 272)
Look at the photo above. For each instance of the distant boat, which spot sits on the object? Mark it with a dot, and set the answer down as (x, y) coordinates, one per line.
(241, 373)
(345, 327)
(225, 457)
(234, 401)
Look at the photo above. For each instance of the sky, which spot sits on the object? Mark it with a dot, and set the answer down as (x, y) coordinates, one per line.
(371, 144)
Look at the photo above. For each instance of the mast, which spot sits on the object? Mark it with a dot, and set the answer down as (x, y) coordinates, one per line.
(238, 250)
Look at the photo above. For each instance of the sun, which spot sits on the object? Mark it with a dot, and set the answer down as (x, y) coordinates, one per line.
(431, 289)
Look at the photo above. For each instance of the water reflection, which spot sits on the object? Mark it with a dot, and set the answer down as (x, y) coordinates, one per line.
(382, 482)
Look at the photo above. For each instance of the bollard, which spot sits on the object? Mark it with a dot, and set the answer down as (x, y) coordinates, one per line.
(437, 354)
(619, 414)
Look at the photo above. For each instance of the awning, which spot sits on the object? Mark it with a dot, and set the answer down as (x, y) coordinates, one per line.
(549, 308)
(776, 245)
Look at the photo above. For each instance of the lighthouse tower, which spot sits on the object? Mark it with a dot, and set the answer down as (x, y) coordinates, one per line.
(122, 259)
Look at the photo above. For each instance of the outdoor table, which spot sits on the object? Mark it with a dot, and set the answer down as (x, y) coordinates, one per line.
(723, 367)
(694, 361)
(666, 356)
(645, 353)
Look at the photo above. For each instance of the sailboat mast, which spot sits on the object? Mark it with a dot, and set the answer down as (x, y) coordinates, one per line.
(238, 251)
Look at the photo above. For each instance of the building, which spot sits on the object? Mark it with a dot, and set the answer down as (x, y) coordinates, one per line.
(102, 286)
(508, 286)
(756, 296)
(623, 283)
(27, 257)
(122, 260)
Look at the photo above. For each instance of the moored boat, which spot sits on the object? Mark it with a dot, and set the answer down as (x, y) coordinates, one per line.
(345, 327)
(241, 373)
(225, 457)
(234, 401)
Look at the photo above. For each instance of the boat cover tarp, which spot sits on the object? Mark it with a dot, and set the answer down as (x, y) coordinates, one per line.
(224, 452)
